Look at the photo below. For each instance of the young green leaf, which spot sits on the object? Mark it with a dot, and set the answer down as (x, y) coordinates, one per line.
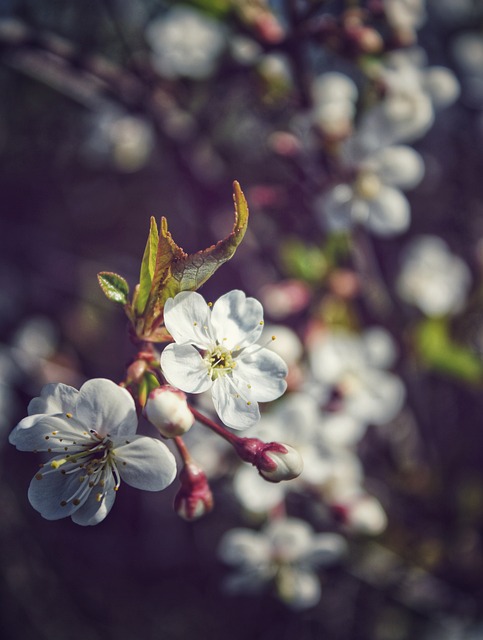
(148, 266)
(177, 271)
(114, 286)
(194, 270)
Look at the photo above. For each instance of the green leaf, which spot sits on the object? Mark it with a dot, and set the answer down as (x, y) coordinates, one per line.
(114, 286)
(194, 270)
(148, 266)
(177, 271)
(439, 352)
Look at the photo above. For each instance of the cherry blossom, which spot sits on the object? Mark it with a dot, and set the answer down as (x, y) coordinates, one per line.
(432, 277)
(373, 196)
(353, 369)
(185, 42)
(92, 436)
(286, 554)
(216, 349)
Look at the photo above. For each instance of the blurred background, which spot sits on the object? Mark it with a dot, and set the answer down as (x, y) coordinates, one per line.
(117, 110)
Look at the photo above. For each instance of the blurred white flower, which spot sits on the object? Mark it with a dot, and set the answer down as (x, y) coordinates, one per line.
(286, 554)
(124, 140)
(185, 42)
(432, 277)
(216, 349)
(334, 96)
(245, 50)
(286, 343)
(412, 93)
(353, 367)
(405, 15)
(361, 513)
(373, 197)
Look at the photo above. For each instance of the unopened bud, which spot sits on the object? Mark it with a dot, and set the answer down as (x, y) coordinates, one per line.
(194, 499)
(166, 408)
(275, 461)
(363, 514)
(288, 464)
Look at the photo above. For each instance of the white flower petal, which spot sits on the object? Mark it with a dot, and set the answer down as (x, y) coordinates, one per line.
(379, 347)
(389, 213)
(256, 494)
(237, 320)
(379, 399)
(299, 589)
(106, 407)
(337, 352)
(50, 493)
(244, 548)
(93, 510)
(264, 371)
(187, 318)
(145, 463)
(334, 208)
(232, 403)
(291, 538)
(185, 369)
(442, 85)
(250, 581)
(326, 548)
(34, 433)
(54, 398)
(333, 86)
(341, 430)
(398, 166)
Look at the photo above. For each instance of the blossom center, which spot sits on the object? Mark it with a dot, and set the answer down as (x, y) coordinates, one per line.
(91, 460)
(219, 361)
(367, 185)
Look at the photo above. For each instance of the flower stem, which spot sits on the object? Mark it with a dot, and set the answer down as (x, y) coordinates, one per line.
(183, 450)
(221, 431)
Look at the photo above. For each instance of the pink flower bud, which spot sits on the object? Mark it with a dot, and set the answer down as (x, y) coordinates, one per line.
(167, 409)
(275, 461)
(194, 499)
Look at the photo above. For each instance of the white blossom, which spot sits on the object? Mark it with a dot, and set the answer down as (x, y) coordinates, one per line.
(354, 367)
(216, 349)
(412, 93)
(185, 42)
(286, 554)
(406, 15)
(432, 277)
(373, 197)
(92, 436)
(334, 96)
(124, 140)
